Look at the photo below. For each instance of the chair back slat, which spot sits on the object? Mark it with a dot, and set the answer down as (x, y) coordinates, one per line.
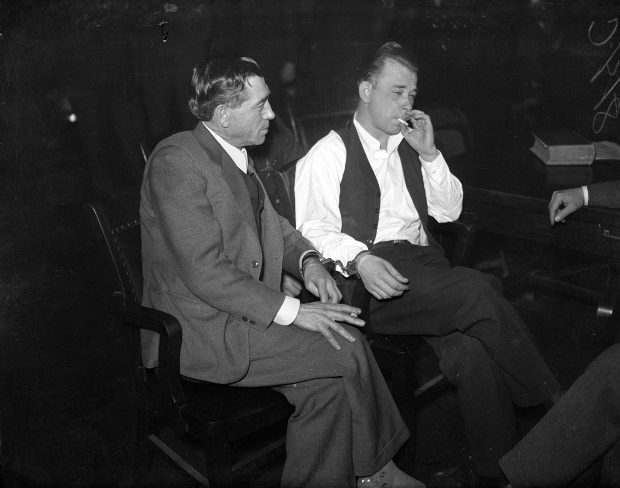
(123, 243)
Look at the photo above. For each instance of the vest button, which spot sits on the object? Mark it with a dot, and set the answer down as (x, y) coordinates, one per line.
(374, 226)
(376, 210)
(255, 264)
(378, 194)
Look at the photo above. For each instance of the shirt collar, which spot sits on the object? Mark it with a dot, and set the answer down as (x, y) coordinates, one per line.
(372, 143)
(239, 156)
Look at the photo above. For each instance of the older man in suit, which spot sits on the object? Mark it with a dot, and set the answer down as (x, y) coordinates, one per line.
(213, 254)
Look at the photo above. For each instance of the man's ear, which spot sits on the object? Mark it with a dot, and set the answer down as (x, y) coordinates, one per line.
(221, 115)
(365, 88)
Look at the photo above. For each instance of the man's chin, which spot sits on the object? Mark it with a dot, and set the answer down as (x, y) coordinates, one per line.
(257, 141)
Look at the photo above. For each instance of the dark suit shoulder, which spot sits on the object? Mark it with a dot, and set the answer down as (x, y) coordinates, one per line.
(183, 139)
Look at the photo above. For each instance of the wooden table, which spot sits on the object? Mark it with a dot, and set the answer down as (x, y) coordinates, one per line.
(507, 190)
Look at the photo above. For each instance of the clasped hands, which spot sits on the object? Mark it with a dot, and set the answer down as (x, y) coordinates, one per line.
(322, 316)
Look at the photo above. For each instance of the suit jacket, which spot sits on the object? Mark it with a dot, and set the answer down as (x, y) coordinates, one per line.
(604, 194)
(202, 258)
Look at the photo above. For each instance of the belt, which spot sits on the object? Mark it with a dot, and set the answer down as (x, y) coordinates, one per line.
(382, 244)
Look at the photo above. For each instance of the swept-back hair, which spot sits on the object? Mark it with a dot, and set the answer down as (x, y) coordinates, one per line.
(376, 61)
(220, 82)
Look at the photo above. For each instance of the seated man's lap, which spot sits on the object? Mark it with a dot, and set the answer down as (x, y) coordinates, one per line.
(436, 296)
(287, 354)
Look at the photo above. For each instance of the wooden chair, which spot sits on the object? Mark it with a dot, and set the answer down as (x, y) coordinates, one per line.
(234, 426)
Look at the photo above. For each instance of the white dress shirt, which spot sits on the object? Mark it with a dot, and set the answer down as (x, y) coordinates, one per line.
(290, 307)
(317, 195)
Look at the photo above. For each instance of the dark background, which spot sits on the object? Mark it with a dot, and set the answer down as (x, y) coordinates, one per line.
(66, 378)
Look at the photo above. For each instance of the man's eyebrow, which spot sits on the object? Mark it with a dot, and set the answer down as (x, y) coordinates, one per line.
(262, 100)
(404, 87)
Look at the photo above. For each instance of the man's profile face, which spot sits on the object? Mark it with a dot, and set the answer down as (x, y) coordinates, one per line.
(392, 96)
(249, 123)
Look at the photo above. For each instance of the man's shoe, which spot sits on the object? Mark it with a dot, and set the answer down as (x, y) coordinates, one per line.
(384, 480)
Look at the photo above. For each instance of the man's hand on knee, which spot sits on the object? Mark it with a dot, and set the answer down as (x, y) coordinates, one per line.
(324, 317)
(381, 279)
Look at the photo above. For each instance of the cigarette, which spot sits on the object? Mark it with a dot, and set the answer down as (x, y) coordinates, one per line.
(405, 123)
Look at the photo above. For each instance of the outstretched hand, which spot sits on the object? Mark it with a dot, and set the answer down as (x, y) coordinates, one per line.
(324, 317)
(380, 277)
(563, 203)
(420, 136)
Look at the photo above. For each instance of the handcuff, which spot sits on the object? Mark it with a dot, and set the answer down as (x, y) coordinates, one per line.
(330, 264)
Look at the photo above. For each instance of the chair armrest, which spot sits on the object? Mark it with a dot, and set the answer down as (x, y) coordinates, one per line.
(170, 340)
(460, 232)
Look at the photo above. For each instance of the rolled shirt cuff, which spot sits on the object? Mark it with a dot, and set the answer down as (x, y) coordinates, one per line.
(586, 195)
(288, 311)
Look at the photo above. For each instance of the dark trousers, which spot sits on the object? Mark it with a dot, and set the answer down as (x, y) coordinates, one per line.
(577, 437)
(484, 348)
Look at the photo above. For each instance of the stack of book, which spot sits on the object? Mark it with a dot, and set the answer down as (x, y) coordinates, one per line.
(563, 147)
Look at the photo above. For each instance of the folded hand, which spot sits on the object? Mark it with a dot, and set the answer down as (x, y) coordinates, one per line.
(381, 279)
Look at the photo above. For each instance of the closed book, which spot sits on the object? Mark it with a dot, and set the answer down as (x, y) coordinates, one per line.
(563, 147)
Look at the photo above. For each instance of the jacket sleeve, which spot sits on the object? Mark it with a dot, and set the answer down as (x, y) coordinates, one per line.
(295, 245)
(604, 194)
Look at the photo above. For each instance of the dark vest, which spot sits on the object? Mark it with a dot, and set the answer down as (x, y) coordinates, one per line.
(360, 197)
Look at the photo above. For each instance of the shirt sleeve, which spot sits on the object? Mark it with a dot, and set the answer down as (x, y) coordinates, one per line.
(444, 192)
(317, 195)
(586, 195)
(288, 311)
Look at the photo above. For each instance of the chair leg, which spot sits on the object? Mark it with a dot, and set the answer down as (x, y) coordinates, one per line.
(218, 460)
(144, 455)
(163, 448)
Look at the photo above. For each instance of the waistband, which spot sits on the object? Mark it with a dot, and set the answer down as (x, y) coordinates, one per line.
(382, 244)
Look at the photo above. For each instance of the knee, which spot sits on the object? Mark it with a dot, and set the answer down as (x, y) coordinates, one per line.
(354, 356)
(479, 283)
(463, 359)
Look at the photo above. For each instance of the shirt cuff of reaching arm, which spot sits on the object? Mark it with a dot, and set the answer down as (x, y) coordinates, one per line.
(586, 195)
(429, 163)
(424, 161)
(288, 311)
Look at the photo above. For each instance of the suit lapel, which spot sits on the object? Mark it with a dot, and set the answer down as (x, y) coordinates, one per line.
(230, 173)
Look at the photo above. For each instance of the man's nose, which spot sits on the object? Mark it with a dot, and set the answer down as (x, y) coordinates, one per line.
(268, 112)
